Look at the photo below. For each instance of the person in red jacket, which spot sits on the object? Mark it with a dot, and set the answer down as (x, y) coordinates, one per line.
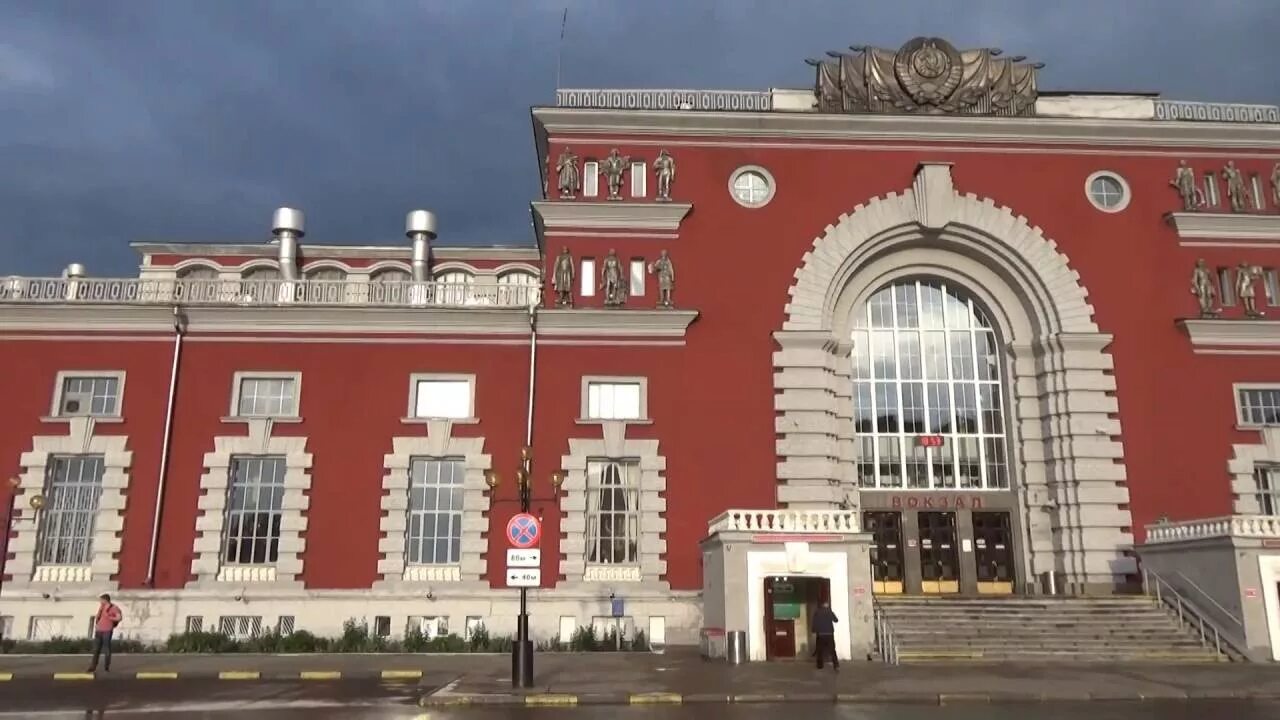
(104, 625)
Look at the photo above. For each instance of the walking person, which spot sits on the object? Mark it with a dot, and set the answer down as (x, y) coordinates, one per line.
(824, 631)
(104, 625)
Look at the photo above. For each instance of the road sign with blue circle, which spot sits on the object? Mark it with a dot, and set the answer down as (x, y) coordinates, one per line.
(524, 530)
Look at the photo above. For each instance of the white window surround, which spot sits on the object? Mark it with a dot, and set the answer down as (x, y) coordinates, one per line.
(1126, 195)
(60, 382)
(573, 508)
(1241, 422)
(1246, 458)
(236, 381)
(770, 186)
(588, 277)
(438, 442)
(584, 414)
(81, 439)
(590, 178)
(412, 417)
(206, 563)
(639, 177)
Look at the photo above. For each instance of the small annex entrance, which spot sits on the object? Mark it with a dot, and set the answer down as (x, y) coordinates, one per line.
(789, 604)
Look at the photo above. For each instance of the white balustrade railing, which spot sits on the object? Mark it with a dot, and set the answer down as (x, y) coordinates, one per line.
(786, 521)
(1242, 526)
(138, 291)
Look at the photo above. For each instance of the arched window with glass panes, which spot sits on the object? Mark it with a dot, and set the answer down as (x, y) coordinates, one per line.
(929, 395)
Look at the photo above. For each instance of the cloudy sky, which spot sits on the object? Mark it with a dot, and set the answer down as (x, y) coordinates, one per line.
(190, 120)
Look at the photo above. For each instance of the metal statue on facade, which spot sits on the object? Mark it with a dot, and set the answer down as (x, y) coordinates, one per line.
(568, 179)
(1245, 275)
(613, 167)
(562, 279)
(611, 279)
(664, 169)
(1202, 287)
(1184, 179)
(1237, 192)
(1275, 185)
(666, 273)
(927, 76)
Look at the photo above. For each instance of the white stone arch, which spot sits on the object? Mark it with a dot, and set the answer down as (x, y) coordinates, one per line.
(1066, 459)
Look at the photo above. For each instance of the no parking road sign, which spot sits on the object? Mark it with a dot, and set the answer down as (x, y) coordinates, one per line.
(524, 531)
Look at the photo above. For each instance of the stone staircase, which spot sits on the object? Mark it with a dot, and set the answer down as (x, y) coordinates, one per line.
(1035, 629)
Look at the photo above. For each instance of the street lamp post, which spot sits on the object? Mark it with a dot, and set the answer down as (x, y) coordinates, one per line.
(522, 649)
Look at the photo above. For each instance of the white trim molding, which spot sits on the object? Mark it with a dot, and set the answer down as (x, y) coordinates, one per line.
(237, 380)
(60, 382)
(614, 323)
(1236, 388)
(584, 402)
(561, 215)
(438, 442)
(1126, 193)
(1232, 333)
(415, 379)
(1064, 441)
(1245, 459)
(206, 562)
(1225, 226)
(80, 439)
(651, 569)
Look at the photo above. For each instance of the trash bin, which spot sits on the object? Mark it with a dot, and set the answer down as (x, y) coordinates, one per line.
(736, 647)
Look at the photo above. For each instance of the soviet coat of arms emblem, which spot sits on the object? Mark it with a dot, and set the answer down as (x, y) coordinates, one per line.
(929, 69)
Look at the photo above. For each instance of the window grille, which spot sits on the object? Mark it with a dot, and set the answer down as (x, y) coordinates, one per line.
(195, 623)
(435, 511)
(613, 512)
(284, 625)
(240, 627)
(254, 510)
(73, 487)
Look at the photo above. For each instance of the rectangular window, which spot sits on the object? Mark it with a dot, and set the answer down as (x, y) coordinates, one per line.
(613, 512)
(442, 398)
(95, 395)
(588, 277)
(1271, 284)
(195, 623)
(266, 396)
(1226, 286)
(1267, 478)
(430, 626)
(637, 278)
(240, 627)
(1258, 406)
(590, 179)
(613, 401)
(284, 625)
(254, 502)
(638, 180)
(1211, 189)
(73, 487)
(434, 535)
(382, 626)
(1259, 201)
(474, 623)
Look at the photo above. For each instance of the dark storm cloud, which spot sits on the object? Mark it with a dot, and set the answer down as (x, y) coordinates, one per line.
(128, 119)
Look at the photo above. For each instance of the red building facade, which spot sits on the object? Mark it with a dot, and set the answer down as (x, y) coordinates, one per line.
(967, 330)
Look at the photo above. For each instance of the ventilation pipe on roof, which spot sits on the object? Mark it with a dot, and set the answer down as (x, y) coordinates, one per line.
(287, 225)
(420, 226)
(73, 274)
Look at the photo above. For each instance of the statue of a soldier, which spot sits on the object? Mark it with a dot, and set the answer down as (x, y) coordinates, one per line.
(1237, 193)
(562, 279)
(568, 179)
(1202, 287)
(664, 169)
(666, 273)
(613, 168)
(1245, 275)
(1184, 179)
(611, 281)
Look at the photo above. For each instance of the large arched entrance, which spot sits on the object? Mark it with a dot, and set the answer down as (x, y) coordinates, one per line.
(1051, 478)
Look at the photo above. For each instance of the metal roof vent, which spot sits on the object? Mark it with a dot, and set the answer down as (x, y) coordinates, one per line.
(287, 226)
(420, 226)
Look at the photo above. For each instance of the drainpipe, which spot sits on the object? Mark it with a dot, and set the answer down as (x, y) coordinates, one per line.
(533, 363)
(179, 328)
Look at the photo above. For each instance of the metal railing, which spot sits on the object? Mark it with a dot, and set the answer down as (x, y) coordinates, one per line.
(267, 292)
(886, 643)
(1223, 641)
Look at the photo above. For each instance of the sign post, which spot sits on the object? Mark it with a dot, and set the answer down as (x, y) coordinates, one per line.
(523, 571)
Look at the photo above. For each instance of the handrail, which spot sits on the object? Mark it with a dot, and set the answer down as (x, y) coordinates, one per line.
(1209, 597)
(1224, 642)
(886, 643)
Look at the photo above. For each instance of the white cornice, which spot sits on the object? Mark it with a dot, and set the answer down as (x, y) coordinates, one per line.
(1225, 225)
(372, 252)
(606, 215)
(1054, 131)
(615, 323)
(1234, 333)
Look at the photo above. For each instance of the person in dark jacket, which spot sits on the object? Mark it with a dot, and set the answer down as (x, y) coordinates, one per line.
(824, 631)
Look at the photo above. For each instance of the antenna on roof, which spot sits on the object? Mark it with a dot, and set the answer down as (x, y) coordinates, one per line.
(564, 20)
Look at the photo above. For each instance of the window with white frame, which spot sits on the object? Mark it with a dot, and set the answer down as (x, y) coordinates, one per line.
(1211, 198)
(1258, 405)
(613, 513)
(96, 395)
(637, 278)
(1267, 478)
(614, 400)
(73, 487)
(198, 272)
(1271, 285)
(442, 397)
(1227, 286)
(517, 288)
(638, 177)
(254, 510)
(590, 179)
(1259, 197)
(454, 288)
(588, 277)
(434, 535)
(266, 395)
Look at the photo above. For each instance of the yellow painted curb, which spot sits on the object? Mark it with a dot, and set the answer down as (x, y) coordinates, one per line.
(237, 675)
(401, 674)
(156, 676)
(319, 675)
(73, 676)
(657, 699)
(551, 699)
(6, 677)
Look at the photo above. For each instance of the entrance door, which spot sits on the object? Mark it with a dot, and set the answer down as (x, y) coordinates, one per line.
(939, 566)
(993, 552)
(789, 603)
(886, 551)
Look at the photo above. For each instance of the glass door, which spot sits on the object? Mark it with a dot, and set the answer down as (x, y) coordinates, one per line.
(939, 558)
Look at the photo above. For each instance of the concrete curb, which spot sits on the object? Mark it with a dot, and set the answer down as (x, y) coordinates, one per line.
(238, 675)
(870, 698)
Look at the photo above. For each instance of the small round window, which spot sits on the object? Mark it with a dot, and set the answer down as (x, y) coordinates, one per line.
(1107, 191)
(751, 186)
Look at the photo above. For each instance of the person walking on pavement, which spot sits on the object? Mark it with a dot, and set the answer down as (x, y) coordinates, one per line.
(824, 631)
(104, 625)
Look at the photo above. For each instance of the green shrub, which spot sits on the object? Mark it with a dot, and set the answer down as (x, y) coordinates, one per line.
(584, 639)
(639, 643)
(414, 641)
(479, 641)
(201, 642)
